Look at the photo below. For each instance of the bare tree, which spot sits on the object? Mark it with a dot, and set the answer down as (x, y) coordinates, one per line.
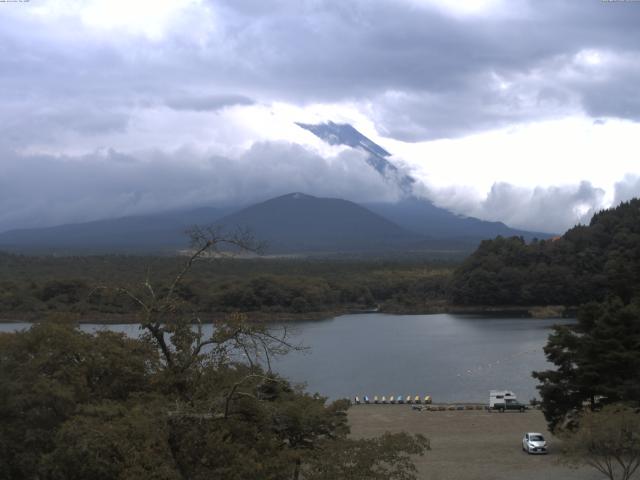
(608, 440)
(177, 330)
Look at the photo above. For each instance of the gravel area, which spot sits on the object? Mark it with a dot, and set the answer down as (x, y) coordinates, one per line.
(470, 445)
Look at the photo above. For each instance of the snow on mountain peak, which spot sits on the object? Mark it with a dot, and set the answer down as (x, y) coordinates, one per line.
(345, 134)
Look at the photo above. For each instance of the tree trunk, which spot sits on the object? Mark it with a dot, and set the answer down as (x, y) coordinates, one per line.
(296, 470)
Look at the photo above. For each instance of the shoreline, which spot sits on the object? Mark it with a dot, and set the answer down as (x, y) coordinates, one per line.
(133, 318)
(534, 311)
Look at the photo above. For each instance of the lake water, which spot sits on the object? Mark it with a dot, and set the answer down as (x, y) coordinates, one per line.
(450, 357)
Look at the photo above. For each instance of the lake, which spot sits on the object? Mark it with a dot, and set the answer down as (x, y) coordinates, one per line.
(450, 357)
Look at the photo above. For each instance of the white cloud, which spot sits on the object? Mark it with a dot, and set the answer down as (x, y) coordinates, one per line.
(550, 210)
(627, 188)
(464, 8)
(555, 152)
(152, 19)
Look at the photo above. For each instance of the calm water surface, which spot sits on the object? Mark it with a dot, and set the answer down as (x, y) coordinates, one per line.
(450, 357)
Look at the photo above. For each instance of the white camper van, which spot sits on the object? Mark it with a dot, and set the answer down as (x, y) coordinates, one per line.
(502, 400)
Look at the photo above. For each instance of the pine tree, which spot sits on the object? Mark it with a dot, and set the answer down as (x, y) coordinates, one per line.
(597, 361)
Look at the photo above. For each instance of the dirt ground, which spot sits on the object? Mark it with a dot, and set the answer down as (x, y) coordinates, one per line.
(470, 445)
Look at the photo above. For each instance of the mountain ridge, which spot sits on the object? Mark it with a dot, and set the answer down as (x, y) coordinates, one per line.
(157, 232)
(299, 222)
(291, 223)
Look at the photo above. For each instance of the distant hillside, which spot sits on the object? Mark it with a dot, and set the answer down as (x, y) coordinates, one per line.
(585, 264)
(421, 216)
(294, 223)
(159, 233)
(303, 223)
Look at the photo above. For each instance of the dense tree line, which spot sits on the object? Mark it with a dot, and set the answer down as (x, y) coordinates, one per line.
(587, 263)
(39, 285)
(597, 359)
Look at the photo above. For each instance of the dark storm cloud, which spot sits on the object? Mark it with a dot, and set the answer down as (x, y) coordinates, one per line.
(417, 71)
(39, 190)
(426, 73)
(615, 96)
(204, 103)
(431, 75)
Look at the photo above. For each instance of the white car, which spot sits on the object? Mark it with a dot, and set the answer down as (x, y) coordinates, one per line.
(533, 442)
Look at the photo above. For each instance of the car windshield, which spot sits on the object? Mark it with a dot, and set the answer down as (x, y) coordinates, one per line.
(536, 438)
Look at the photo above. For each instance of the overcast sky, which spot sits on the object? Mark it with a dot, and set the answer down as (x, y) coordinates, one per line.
(520, 111)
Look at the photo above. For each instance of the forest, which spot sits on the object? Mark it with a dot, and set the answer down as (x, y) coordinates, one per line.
(32, 286)
(589, 262)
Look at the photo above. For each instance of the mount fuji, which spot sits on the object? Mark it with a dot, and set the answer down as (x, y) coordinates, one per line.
(414, 213)
(292, 223)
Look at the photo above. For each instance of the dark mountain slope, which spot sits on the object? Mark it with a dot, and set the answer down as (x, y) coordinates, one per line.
(163, 232)
(293, 223)
(302, 223)
(423, 217)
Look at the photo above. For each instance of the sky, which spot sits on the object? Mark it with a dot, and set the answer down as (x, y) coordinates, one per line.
(523, 111)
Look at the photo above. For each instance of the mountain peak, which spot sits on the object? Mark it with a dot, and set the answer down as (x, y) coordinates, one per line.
(298, 196)
(298, 222)
(345, 134)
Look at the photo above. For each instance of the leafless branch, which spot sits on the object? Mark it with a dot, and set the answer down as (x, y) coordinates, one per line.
(237, 385)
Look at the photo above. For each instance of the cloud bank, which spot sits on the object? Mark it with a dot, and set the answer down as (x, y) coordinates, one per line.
(189, 91)
(39, 190)
(548, 210)
(424, 71)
